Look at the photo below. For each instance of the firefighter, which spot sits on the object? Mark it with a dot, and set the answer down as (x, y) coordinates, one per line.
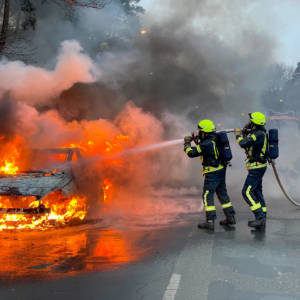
(253, 138)
(214, 172)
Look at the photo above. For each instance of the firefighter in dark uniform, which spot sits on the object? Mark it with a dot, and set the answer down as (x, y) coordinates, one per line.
(214, 172)
(253, 138)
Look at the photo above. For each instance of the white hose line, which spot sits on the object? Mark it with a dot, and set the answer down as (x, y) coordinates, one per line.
(281, 186)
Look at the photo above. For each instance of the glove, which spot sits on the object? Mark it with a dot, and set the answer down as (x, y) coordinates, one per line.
(188, 139)
(237, 131)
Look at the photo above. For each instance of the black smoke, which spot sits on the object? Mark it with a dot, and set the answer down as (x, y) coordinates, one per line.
(180, 69)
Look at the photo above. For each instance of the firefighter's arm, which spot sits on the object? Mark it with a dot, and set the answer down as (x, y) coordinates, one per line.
(193, 151)
(247, 141)
(189, 150)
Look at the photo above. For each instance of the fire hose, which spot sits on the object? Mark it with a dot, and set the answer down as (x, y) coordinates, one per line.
(272, 163)
(281, 186)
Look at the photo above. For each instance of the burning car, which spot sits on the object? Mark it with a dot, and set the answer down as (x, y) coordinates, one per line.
(41, 189)
(40, 183)
(41, 198)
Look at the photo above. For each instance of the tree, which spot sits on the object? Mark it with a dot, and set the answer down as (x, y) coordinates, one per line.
(277, 87)
(123, 24)
(131, 6)
(29, 11)
(70, 4)
(90, 4)
(4, 24)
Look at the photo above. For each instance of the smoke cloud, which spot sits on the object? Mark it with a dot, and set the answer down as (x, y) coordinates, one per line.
(190, 63)
(35, 85)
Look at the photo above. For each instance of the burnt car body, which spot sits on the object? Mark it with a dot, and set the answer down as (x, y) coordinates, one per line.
(40, 183)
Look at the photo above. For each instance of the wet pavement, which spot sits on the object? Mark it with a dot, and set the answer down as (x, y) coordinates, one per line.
(144, 261)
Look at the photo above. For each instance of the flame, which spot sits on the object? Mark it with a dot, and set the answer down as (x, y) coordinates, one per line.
(96, 146)
(143, 31)
(64, 211)
(9, 155)
(107, 190)
(9, 168)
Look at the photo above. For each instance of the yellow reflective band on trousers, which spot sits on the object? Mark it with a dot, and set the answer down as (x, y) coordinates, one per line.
(226, 205)
(187, 150)
(209, 169)
(207, 208)
(210, 208)
(255, 165)
(204, 198)
(264, 209)
(239, 139)
(254, 206)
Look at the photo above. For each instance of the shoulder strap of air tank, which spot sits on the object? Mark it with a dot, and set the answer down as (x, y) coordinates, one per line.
(265, 155)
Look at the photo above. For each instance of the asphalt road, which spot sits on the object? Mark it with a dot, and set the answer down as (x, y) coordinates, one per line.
(170, 261)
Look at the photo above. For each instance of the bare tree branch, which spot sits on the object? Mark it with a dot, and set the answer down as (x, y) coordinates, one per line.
(89, 3)
(4, 25)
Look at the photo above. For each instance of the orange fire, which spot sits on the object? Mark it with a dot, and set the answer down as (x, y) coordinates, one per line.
(9, 155)
(9, 168)
(65, 210)
(109, 148)
(107, 190)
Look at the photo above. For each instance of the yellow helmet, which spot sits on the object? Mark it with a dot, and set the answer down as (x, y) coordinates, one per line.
(206, 126)
(257, 118)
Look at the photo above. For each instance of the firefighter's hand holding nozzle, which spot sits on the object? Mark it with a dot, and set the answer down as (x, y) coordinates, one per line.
(187, 142)
(188, 139)
(237, 131)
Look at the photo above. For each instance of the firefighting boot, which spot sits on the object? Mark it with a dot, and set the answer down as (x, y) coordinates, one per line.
(209, 224)
(229, 220)
(259, 224)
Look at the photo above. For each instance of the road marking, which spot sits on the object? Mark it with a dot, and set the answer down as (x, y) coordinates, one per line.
(172, 287)
(195, 258)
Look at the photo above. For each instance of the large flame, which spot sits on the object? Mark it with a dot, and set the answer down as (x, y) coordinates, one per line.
(65, 210)
(10, 155)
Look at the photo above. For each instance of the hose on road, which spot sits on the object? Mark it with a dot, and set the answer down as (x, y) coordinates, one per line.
(281, 186)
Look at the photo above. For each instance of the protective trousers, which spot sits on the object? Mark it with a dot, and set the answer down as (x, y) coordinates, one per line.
(252, 192)
(215, 182)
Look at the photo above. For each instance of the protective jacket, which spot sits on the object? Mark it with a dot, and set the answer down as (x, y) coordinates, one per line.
(255, 145)
(208, 152)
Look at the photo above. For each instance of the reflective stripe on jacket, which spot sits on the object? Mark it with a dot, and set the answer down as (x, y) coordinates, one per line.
(255, 145)
(208, 152)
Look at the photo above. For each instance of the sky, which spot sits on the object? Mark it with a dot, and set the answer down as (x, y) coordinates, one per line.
(278, 19)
